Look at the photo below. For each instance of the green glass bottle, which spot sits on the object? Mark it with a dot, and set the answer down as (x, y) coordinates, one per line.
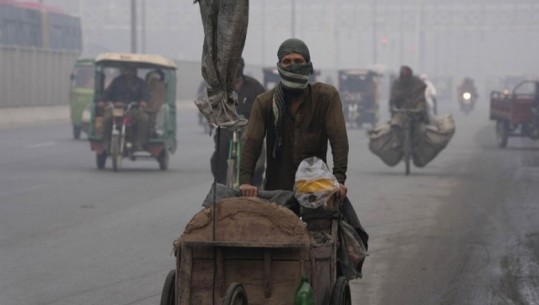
(304, 294)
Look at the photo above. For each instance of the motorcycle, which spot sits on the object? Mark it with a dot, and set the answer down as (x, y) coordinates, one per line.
(467, 102)
(120, 147)
(351, 111)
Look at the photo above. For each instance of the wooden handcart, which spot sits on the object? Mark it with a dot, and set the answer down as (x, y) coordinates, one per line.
(255, 253)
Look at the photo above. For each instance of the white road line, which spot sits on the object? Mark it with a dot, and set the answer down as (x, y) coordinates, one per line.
(38, 145)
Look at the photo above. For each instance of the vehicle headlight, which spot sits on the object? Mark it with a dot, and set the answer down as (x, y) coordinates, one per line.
(467, 96)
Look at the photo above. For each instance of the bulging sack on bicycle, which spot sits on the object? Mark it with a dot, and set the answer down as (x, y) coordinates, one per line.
(314, 183)
(434, 139)
(386, 143)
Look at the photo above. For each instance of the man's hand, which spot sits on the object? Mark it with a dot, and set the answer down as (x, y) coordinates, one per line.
(248, 190)
(143, 104)
(342, 192)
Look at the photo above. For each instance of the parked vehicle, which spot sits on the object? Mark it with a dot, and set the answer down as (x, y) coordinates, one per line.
(360, 97)
(516, 112)
(162, 111)
(81, 95)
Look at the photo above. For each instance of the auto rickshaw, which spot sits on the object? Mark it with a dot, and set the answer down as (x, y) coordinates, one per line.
(360, 97)
(161, 109)
(81, 95)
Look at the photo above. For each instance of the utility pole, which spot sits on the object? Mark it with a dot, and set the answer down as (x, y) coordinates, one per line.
(293, 19)
(143, 42)
(133, 26)
(419, 36)
(401, 38)
(263, 44)
(333, 38)
(374, 34)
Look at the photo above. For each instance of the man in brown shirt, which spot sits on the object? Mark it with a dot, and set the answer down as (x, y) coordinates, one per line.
(297, 119)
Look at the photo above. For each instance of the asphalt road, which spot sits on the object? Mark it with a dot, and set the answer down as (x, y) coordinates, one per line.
(462, 230)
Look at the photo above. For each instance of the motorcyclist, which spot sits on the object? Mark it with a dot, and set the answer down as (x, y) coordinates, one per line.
(127, 88)
(467, 85)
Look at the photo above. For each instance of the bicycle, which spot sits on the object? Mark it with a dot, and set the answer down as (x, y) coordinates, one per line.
(409, 117)
(234, 159)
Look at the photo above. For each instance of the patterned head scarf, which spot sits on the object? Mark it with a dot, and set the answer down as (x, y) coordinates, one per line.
(293, 77)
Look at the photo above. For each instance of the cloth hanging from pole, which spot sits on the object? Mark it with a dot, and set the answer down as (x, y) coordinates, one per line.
(225, 29)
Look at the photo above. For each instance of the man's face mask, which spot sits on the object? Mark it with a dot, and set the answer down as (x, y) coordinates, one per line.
(294, 71)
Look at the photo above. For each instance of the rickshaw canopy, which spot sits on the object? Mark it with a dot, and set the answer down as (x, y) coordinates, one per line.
(150, 59)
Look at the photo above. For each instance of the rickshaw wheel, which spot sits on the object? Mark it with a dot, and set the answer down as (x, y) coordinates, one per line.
(501, 133)
(101, 159)
(235, 295)
(168, 296)
(341, 292)
(115, 153)
(163, 159)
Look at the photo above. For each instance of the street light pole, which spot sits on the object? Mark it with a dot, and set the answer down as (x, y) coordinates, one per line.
(133, 26)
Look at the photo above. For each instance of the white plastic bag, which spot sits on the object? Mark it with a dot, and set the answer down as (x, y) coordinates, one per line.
(314, 184)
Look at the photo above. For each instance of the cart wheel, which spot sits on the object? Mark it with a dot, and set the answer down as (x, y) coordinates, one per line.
(101, 159)
(163, 159)
(235, 295)
(501, 133)
(341, 292)
(168, 296)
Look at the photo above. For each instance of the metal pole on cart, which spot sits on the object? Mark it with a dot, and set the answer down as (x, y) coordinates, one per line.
(214, 214)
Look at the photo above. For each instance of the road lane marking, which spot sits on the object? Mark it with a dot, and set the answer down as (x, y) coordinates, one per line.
(38, 145)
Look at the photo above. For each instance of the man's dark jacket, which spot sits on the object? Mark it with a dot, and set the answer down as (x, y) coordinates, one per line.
(319, 119)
